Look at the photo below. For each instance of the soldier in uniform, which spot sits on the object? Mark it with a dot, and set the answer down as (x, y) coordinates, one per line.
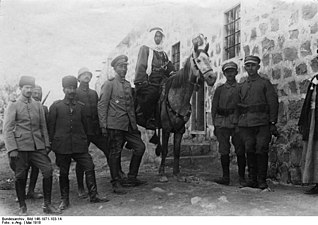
(26, 139)
(118, 122)
(258, 115)
(225, 119)
(90, 98)
(152, 67)
(67, 131)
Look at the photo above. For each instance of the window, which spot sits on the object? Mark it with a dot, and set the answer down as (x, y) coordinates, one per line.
(176, 56)
(233, 32)
(198, 112)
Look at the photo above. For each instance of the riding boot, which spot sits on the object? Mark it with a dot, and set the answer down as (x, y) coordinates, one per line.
(80, 182)
(262, 164)
(20, 190)
(241, 163)
(252, 171)
(225, 162)
(64, 189)
(121, 173)
(33, 178)
(133, 171)
(117, 180)
(47, 192)
(92, 187)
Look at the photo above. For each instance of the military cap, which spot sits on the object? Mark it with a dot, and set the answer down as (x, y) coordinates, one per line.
(252, 59)
(229, 65)
(84, 70)
(26, 80)
(69, 81)
(122, 59)
(37, 87)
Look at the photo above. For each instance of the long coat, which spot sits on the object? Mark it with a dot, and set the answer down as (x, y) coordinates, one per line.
(67, 127)
(24, 126)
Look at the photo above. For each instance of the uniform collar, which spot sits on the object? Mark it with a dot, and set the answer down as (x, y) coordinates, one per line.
(25, 99)
(68, 102)
(84, 86)
(121, 80)
(228, 85)
(254, 78)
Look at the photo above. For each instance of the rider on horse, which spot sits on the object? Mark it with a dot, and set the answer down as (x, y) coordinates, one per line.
(152, 68)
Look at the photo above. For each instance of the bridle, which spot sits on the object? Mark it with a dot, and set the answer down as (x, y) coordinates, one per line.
(196, 83)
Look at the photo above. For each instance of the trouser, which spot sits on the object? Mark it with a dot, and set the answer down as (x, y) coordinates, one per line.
(63, 161)
(39, 159)
(256, 141)
(116, 141)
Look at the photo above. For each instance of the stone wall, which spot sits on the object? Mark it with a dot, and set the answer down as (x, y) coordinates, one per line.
(283, 34)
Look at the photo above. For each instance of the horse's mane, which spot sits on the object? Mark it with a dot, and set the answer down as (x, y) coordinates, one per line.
(181, 77)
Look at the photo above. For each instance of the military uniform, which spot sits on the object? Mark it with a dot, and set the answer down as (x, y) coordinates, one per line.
(117, 114)
(25, 131)
(225, 119)
(148, 85)
(67, 130)
(258, 109)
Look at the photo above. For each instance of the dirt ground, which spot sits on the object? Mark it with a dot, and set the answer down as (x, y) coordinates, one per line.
(191, 194)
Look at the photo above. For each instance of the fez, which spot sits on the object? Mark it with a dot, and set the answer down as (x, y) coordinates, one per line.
(122, 59)
(69, 81)
(252, 59)
(229, 65)
(84, 70)
(26, 80)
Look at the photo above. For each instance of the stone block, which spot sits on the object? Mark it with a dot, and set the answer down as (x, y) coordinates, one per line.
(294, 109)
(303, 86)
(272, 170)
(272, 156)
(290, 54)
(277, 57)
(246, 49)
(314, 64)
(194, 149)
(253, 34)
(274, 24)
(276, 74)
(284, 173)
(255, 50)
(287, 72)
(301, 69)
(314, 28)
(267, 44)
(263, 28)
(294, 18)
(293, 34)
(295, 175)
(295, 156)
(281, 113)
(309, 11)
(281, 41)
(305, 49)
(265, 60)
(293, 87)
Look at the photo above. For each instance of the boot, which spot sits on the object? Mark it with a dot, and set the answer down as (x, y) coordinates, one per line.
(33, 178)
(20, 190)
(241, 163)
(47, 191)
(117, 188)
(133, 171)
(252, 171)
(92, 187)
(262, 164)
(312, 191)
(64, 189)
(225, 162)
(80, 182)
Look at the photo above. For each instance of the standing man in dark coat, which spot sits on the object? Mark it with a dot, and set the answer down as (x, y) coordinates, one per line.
(152, 67)
(118, 122)
(258, 115)
(225, 119)
(90, 98)
(26, 139)
(67, 130)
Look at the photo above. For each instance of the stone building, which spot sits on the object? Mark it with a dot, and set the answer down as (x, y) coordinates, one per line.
(284, 34)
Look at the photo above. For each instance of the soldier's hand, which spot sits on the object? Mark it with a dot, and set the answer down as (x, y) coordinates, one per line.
(104, 132)
(13, 154)
(273, 130)
(48, 150)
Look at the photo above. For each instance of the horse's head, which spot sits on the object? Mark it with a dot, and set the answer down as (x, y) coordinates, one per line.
(200, 62)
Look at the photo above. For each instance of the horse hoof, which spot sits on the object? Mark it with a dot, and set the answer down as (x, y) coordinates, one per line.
(163, 179)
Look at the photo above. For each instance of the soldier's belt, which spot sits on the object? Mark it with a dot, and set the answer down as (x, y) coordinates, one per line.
(146, 83)
(253, 108)
(225, 112)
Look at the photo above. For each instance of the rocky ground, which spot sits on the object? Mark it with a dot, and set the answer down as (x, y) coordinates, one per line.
(191, 194)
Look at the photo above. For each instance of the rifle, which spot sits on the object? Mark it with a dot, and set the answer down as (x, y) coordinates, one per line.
(47, 95)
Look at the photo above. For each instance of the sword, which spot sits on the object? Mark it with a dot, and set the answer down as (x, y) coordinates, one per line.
(47, 95)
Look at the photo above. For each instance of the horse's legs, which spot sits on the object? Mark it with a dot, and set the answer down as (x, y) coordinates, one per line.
(176, 152)
(165, 139)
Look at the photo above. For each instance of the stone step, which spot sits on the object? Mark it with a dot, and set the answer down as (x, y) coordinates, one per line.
(194, 149)
(198, 160)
